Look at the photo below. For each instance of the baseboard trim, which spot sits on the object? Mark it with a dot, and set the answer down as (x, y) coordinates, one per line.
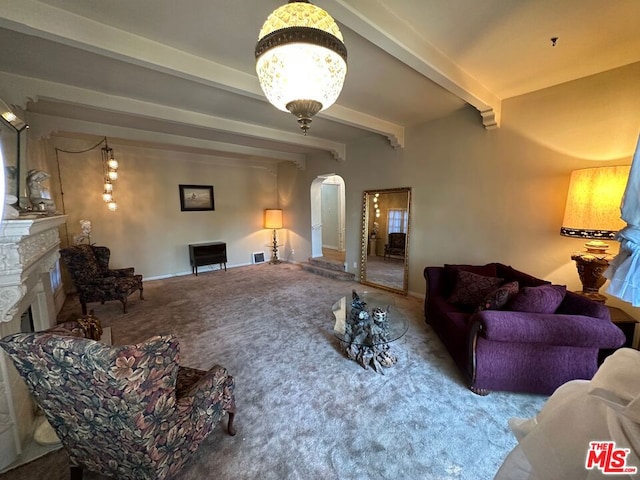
(205, 269)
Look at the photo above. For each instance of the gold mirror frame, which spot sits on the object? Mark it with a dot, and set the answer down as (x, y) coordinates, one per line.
(365, 243)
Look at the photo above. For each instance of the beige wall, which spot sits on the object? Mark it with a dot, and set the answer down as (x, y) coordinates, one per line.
(481, 196)
(148, 230)
(371, 164)
(478, 195)
(499, 195)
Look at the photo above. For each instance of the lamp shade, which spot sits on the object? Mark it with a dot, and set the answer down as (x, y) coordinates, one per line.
(273, 218)
(301, 60)
(593, 202)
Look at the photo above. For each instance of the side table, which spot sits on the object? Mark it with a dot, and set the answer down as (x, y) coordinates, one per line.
(624, 322)
(207, 253)
(373, 246)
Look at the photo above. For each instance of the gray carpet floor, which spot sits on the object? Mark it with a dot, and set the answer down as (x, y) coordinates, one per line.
(388, 272)
(304, 410)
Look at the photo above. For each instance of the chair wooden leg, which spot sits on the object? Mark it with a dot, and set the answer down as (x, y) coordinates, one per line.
(141, 297)
(124, 305)
(75, 473)
(230, 428)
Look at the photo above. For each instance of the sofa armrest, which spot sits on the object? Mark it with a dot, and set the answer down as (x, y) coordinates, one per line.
(574, 304)
(434, 278)
(548, 329)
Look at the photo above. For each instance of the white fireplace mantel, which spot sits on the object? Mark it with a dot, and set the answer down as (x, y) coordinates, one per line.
(29, 253)
(27, 246)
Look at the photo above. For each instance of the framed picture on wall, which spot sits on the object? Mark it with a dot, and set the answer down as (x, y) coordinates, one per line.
(195, 198)
(258, 257)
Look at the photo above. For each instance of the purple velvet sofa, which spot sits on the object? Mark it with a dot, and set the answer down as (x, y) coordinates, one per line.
(524, 335)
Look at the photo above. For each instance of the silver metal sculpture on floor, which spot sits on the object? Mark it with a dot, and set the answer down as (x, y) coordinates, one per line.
(366, 336)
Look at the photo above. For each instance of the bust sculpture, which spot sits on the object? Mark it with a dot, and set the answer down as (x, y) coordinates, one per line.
(39, 194)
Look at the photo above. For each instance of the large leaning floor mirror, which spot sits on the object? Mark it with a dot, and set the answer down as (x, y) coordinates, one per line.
(384, 261)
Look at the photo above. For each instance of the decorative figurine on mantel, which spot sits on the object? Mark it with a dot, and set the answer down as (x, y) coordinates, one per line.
(39, 194)
(85, 236)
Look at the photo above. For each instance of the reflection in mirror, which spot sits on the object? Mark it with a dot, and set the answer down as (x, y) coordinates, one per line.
(384, 259)
(9, 154)
(10, 128)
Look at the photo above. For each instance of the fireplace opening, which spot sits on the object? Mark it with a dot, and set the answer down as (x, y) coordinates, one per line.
(26, 322)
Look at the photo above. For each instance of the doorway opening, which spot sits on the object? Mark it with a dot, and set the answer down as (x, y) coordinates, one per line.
(328, 218)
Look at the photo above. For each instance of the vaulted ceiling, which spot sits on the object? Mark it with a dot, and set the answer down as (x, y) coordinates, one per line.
(183, 73)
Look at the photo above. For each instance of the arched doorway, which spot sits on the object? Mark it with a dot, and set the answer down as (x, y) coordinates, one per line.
(327, 214)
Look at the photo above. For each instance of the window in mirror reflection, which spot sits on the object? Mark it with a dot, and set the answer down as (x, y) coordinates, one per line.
(398, 220)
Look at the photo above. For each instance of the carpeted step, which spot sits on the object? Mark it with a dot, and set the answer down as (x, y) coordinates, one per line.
(327, 263)
(327, 272)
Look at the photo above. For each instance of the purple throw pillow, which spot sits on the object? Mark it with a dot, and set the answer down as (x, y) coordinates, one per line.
(541, 299)
(450, 270)
(524, 279)
(450, 273)
(471, 288)
(498, 298)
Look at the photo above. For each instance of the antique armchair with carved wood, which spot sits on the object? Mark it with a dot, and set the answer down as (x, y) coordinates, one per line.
(88, 266)
(127, 412)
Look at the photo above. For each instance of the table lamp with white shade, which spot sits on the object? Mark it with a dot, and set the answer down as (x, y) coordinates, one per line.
(592, 212)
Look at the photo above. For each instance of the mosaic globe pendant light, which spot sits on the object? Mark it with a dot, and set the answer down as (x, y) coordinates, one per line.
(301, 60)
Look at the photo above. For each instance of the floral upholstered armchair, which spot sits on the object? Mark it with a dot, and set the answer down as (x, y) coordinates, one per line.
(88, 266)
(128, 412)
